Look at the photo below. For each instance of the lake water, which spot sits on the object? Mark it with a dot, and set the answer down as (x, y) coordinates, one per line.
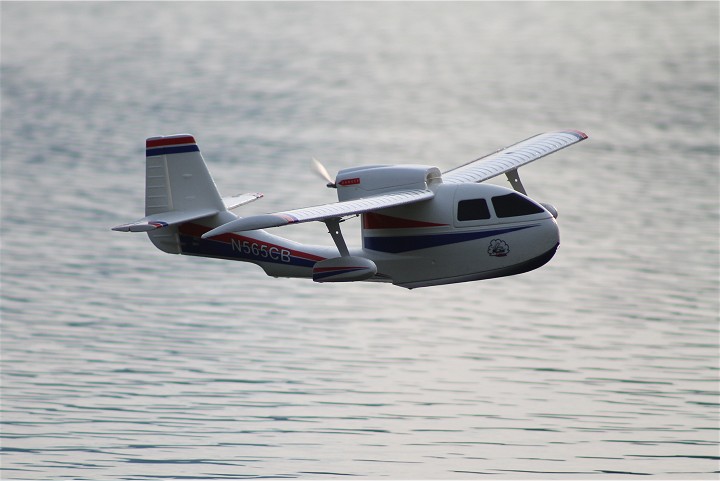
(120, 362)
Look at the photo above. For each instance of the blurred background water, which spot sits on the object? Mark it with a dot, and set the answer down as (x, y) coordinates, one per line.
(121, 362)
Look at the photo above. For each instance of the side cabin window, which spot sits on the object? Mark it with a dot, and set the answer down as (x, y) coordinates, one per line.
(513, 205)
(473, 209)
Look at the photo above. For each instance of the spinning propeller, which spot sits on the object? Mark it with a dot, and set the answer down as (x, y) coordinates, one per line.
(323, 172)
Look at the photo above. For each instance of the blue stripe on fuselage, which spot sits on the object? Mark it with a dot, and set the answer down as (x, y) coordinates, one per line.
(396, 244)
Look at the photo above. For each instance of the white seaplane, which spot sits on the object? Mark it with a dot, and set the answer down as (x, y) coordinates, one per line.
(420, 227)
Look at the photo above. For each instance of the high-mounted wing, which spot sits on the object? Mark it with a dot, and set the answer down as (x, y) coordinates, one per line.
(510, 158)
(322, 212)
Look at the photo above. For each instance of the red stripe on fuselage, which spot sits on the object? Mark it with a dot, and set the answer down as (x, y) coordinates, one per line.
(373, 220)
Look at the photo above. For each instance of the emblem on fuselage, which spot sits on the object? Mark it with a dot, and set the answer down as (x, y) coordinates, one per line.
(498, 248)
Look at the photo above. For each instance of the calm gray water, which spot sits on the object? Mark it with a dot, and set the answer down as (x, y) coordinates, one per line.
(120, 362)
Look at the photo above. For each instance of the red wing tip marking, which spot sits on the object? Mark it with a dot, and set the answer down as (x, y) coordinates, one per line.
(140, 227)
(287, 217)
(581, 135)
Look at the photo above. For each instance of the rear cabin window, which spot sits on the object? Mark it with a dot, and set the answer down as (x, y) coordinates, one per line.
(473, 209)
(513, 205)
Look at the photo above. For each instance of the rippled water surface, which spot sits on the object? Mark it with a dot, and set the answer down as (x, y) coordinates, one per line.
(122, 362)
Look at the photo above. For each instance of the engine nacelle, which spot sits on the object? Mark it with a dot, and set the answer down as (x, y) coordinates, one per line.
(344, 269)
(359, 182)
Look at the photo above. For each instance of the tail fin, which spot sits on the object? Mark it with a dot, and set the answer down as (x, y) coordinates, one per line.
(178, 189)
(176, 177)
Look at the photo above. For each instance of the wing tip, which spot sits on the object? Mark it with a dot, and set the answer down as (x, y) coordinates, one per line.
(140, 226)
(579, 134)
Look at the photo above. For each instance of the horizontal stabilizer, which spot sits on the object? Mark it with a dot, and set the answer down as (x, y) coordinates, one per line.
(164, 219)
(322, 212)
(240, 199)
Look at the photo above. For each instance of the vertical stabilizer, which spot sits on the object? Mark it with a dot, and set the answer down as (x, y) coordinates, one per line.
(177, 181)
(176, 178)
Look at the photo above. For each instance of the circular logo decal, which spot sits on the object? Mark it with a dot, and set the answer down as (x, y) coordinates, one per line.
(498, 248)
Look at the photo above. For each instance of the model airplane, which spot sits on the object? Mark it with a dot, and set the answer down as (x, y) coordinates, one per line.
(420, 227)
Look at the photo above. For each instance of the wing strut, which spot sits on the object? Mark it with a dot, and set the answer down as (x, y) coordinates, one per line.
(333, 225)
(514, 178)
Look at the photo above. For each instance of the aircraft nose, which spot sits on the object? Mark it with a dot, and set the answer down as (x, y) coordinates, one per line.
(550, 236)
(551, 244)
(556, 232)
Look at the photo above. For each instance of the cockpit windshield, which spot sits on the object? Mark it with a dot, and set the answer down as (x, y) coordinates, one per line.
(514, 205)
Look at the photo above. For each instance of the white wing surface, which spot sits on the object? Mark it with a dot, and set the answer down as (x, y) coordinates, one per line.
(510, 158)
(322, 212)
